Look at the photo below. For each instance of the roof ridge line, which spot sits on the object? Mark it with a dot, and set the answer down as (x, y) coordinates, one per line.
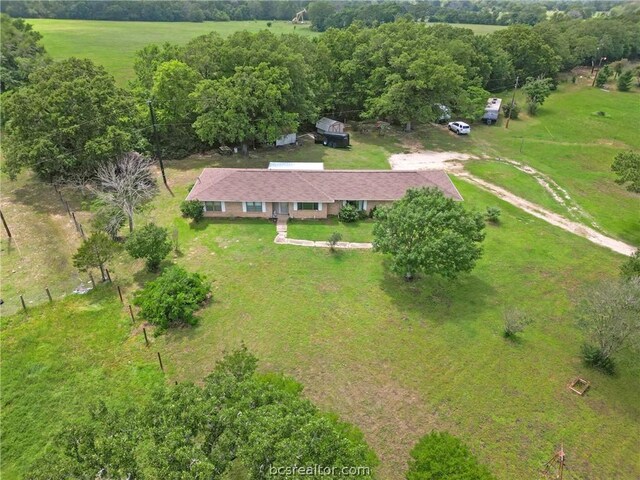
(298, 174)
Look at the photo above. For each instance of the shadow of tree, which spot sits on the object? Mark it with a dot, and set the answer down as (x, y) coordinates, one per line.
(442, 298)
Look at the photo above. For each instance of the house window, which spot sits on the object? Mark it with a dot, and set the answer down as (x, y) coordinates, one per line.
(359, 204)
(213, 207)
(308, 206)
(253, 206)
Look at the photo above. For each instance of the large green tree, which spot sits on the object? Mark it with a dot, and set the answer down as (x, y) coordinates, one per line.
(71, 117)
(237, 424)
(430, 233)
(536, 90)
(20, 52)
(530, 55)
(173, 84)
(246, 108)
(413, 86)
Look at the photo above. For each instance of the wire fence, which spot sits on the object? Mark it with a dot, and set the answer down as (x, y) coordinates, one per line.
(78, 284)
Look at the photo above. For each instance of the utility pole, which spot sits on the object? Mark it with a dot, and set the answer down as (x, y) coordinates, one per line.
(155, 141)
(513, 101)
(593, 84)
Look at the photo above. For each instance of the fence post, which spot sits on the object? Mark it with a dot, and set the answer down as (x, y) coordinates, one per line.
(160, 360)
(131, 313)
(108, 274)
(120, 294)
(81, 231)
(46, 289)
(75, 221)
(146, 340)
(93, 282)
(24, 306)
(66, 204)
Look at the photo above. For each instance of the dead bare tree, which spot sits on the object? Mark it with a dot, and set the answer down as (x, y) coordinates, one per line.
(128, 183)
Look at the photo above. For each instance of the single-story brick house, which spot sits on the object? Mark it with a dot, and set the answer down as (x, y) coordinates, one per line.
(252, 192)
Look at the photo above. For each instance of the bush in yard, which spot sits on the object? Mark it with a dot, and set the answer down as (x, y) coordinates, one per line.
(624, 81)
(515, 320)
(172, 298)
(334, 239)
(440, 455)
(94, 252)
(603, 76)
(348, 214)
(626, 165)
(515, 111)
(152, 243)
(192, 209)
(593, 357)
(631, 268)
(493, 214)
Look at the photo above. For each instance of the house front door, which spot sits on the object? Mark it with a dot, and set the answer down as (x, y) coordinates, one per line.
(282, 208)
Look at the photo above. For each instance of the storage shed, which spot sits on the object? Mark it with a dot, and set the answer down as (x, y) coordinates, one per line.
(327, 125)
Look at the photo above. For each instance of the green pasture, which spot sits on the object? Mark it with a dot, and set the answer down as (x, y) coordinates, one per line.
(113, 44)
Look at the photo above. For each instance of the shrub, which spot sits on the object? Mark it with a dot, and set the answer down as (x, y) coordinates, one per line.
(631, 268)
(603, 76)
(192, 209)
(172, 298)
(514, 113)
(624, 81)
(269, 24)
(151, 242)
(440, 455)
(493, 214)
(594, 358)
(334, 239)
(348, 214)
(515, 321)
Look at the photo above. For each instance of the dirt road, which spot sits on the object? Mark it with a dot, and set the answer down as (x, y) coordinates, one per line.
(451, 162)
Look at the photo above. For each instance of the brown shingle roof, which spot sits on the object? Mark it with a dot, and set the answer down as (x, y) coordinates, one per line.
(246, 185)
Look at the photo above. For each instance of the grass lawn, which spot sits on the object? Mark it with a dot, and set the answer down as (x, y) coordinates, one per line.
(113, 44)
(320, 230)
(568, 142)
(397, 359)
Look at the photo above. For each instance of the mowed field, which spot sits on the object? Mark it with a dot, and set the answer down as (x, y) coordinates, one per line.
(114, 44)
(396, 359)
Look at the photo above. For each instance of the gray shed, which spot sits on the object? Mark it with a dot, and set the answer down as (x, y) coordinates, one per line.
(327, 125)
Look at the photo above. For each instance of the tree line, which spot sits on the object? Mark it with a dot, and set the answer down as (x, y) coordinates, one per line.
(156, 11)
(338, 14)
(327, 14)
(250, 88)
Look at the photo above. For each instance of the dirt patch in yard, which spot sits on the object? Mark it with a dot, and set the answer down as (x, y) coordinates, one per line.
(429, 160)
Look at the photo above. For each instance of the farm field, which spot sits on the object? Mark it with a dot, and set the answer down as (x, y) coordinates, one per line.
(113, 44)
(396, 359)
(569, 144)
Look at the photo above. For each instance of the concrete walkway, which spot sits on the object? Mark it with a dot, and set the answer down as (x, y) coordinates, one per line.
(282, 239)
